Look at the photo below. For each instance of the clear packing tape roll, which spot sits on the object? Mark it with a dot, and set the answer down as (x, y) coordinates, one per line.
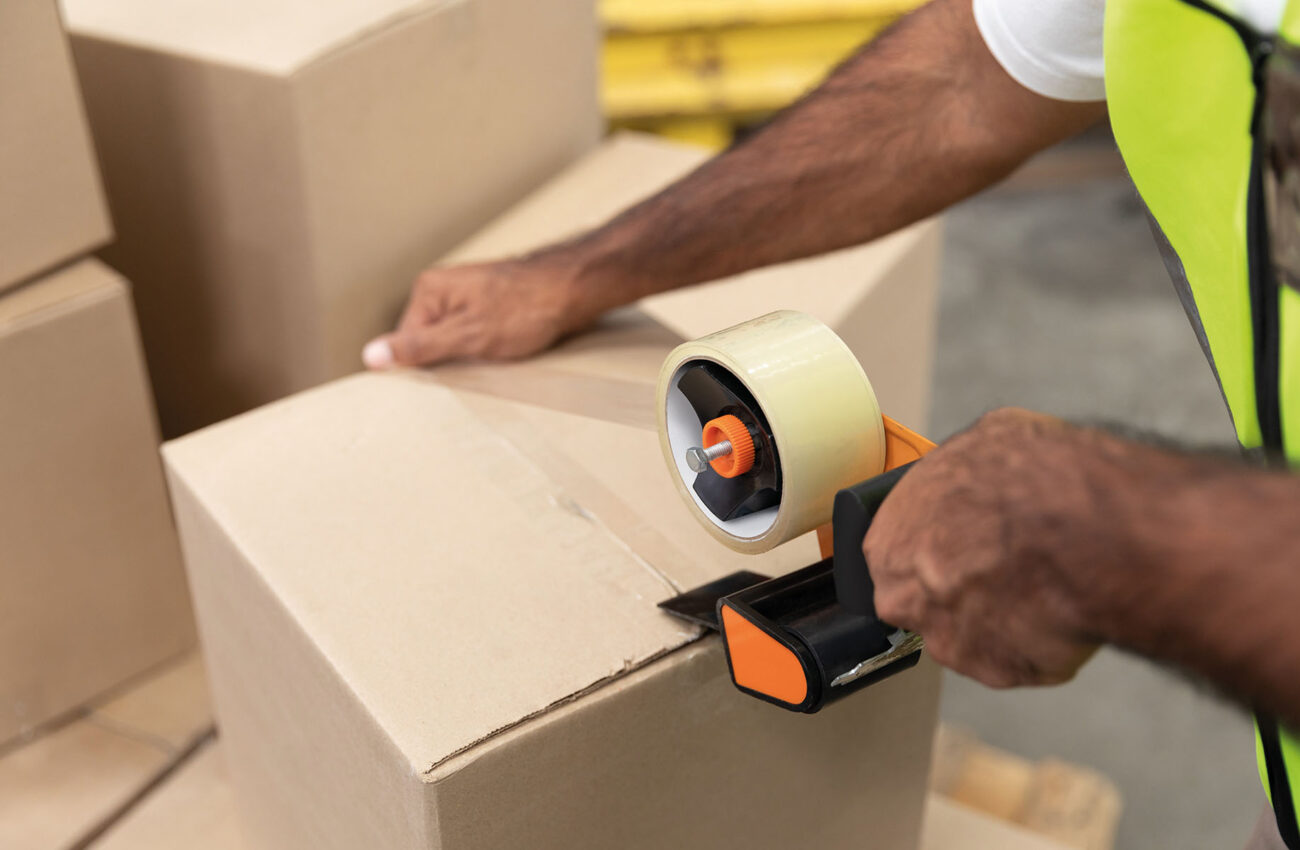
(823, 415)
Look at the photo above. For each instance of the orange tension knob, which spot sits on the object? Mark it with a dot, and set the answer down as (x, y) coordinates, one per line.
(741, 457)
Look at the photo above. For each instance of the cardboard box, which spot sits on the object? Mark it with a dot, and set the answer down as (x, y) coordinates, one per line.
(427, 602)
(953, 826)
(194, 809)
(91, 587)
(51, 204)
(280, 172)
(420, 635)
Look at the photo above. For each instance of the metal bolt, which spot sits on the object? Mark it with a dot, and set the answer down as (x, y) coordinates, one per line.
(698, 459)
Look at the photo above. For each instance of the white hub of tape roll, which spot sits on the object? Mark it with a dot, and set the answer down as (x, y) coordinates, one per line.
(823, 415)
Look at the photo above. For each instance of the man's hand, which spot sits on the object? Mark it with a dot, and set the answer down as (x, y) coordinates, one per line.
(498, 311)
(1021, 544)
(979, 548)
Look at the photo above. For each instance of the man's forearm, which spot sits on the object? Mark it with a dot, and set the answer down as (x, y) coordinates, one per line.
(919, 119)
(1213, 583)
(922, 117)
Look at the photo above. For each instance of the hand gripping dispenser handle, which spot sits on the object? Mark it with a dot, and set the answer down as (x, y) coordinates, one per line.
(812, 636)
(855, 508)
(765, 427)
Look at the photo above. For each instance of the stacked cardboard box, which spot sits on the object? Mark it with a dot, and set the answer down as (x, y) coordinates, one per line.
(427, 599)
(91, 589)
(280, 171)
(51, 206)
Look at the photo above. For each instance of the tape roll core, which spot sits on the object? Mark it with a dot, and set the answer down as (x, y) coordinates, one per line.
(741, 457)
(824, 418)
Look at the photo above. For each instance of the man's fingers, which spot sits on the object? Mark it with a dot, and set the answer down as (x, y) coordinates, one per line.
(901, 603)
(428, 304)
(420, 346)
(378, 354)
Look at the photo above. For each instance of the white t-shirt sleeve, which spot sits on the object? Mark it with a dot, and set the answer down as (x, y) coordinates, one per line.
(1052, 47)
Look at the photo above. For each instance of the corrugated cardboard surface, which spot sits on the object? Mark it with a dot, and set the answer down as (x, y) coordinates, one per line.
(91, 587)
(51, 204)
(281, 176)
(419, 500)
(195, 809)
(428, 605)
(674, 756)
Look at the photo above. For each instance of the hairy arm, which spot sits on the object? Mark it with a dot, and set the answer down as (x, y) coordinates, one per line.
(920, 118)
(1217, 551)
(1023, 543)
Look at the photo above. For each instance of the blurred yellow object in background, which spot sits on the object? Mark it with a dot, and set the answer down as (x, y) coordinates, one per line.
(700, 70)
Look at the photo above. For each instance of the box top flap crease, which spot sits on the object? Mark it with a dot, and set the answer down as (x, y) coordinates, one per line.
(274, 38)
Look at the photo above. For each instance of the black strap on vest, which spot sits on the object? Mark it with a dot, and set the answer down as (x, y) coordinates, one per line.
(1278, 783)
(1264, 318)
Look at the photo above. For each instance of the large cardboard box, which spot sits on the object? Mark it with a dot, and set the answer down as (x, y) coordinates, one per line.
(51, 204)
(279, 171)
(427, 603)
(91, 587)
(194, 809)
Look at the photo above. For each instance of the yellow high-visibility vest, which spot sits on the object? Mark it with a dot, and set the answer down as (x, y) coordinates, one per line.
(1184, 80)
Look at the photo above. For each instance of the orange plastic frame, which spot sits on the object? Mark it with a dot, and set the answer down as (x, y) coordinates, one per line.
(902, 445)
(764, 665)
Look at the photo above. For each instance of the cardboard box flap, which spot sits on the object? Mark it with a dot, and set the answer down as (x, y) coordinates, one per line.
(52, 205)
(68, 290)
(490, 592)
(815, 286)
(608, 372)
(587, 420)
(271, 36)
(614, 470)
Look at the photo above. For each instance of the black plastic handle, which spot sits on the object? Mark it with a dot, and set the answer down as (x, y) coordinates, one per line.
(855, 508)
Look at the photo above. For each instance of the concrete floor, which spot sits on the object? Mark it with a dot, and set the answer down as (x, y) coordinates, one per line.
(1056, 300)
